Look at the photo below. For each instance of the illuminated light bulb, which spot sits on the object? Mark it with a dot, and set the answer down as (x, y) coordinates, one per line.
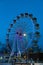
(24, 34)
(1, 58)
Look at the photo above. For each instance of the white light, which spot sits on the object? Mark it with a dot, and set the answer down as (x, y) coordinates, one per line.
(24, 34)
(1, 58)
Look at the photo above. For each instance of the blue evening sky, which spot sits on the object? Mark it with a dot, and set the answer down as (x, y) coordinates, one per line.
(9, 9)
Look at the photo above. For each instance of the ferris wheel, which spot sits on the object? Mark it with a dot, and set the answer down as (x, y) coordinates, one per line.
(22, 32)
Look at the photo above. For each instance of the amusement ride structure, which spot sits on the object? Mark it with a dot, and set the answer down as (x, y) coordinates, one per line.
(22, 34)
